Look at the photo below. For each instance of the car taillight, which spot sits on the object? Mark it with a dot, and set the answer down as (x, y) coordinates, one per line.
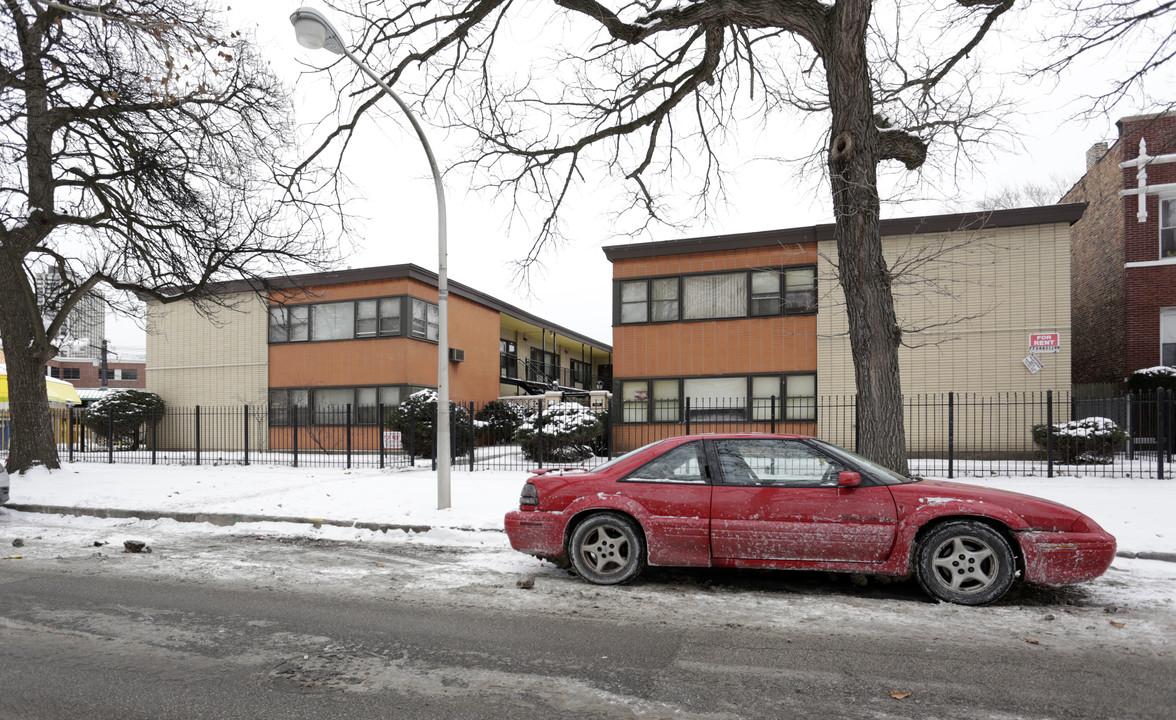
(529, 496)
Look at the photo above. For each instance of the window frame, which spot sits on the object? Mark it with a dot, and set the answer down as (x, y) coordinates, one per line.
(1167, 224)
(648, 410)
(508, 359)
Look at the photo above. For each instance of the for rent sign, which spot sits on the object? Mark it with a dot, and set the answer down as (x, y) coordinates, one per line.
(1045, 342)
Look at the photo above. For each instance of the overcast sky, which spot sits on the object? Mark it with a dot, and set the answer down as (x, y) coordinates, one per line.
(398, 212)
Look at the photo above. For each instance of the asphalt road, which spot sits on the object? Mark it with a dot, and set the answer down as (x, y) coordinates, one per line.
(98, 645)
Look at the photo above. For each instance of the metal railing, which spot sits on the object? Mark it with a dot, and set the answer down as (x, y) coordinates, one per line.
(949, 435)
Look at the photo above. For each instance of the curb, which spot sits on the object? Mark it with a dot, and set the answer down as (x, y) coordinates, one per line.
(225, 519)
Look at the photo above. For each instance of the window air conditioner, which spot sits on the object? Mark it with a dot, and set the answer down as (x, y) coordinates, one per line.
(456, 355)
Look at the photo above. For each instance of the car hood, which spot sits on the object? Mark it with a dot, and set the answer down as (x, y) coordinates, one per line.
(1037, 513)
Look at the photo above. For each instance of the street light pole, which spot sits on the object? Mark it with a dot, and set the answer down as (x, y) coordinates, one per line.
(314, 31)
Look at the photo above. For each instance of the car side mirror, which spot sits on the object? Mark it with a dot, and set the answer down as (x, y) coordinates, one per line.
(848, 479)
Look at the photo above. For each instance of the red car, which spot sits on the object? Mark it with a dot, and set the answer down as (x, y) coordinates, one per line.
(792, 502)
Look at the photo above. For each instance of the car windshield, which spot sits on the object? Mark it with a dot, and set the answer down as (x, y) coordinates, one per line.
(879, 472)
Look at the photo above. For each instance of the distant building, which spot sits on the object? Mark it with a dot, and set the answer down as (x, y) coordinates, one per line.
(1123, 255)
(85, 325)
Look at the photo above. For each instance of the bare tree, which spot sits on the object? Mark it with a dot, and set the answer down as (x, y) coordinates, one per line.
(1135, 35)
(1028, 194)
(647, 91)
(139, 142)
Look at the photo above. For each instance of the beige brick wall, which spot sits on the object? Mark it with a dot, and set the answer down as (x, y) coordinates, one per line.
(993, 288)
(223, 361)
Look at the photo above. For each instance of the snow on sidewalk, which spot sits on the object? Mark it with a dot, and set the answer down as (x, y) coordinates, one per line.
(1137, 511)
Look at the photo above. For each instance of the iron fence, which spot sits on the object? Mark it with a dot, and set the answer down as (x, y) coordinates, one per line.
(948, 435)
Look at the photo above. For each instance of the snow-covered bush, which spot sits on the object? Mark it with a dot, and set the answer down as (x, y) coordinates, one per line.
(128, 414)
(1089, 440)
(1151, 379)
(414, 418)
(500, 419)
(567, 429)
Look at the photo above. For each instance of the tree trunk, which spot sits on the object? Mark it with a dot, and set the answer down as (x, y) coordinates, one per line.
(874, 334)
(25, 353)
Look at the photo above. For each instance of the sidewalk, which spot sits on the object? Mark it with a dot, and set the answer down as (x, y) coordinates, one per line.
(1136, 511)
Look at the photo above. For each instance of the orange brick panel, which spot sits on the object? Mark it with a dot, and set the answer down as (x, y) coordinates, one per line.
(718, 347)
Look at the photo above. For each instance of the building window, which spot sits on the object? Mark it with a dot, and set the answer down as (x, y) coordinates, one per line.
(1168, 228)
(800, 392)
(1168, 336)
(130, 374)
(289, 324)
(289, 407)
(634, 301)
(424, 320)
(800, 291)
(717, 399)
(328, 406)
(581, 374)
(544, 366)
(367, 318)
(508, 362)
(664, 303)
(667, 401)
(71, 373)
(635, 401)
(55, 372)
(390, 316)
(332, 321)
(714, 296)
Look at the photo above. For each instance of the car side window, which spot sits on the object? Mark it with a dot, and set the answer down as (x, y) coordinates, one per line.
(774, 462)
(680, 465)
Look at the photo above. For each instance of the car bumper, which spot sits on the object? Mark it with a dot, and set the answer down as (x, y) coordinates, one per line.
(536, 533)
(1064, 558)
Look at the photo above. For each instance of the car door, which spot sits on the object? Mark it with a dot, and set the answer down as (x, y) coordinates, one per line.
(778, 499)
(675, 492)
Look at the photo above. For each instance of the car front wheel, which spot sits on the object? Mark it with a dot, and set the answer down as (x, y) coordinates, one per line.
(607, 549)
(967, 563)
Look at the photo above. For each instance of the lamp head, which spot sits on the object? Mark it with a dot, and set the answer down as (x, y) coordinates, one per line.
(314, 31)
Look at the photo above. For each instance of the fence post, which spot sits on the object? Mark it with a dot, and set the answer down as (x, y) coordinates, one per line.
(1130, 431)
(348, 436)
(154, 438)
(197, 435)
(380, 430)
(950, 434)
(687, 414)
(1049, 454)
(246, 434)
(539, 432)
(773, 415)
(295, 428)
(70, 433)
(472, 436)
(110, 435)
(1161, 431)
(857, 425)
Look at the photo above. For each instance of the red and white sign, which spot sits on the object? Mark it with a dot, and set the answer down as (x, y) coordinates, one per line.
(392, 440)
(1045, 342)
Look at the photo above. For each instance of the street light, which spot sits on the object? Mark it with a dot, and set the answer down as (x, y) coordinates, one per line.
(314, 31)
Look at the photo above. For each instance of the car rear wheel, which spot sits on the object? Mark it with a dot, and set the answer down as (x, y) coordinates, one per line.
(967, 563)
(607, 549)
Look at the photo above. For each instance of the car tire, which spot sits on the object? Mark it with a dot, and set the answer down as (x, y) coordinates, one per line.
(607, 549)
(966, 563)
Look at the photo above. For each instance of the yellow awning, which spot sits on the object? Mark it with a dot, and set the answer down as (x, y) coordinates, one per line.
(60, 391)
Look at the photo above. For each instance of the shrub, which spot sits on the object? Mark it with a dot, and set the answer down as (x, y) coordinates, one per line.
(414, 419)
(1150, 379)
(500, 419)
(1089, 440)
(128, 413)
(568, 431)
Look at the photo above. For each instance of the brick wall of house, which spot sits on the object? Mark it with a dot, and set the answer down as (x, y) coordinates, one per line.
(1152, 285)
(88, 373)
(1097, 290)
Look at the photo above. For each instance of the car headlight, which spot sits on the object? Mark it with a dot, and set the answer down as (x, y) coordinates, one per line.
(1085, 525)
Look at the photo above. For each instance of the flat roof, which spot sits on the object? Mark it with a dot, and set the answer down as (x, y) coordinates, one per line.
(1068, 213)
(392, 272)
